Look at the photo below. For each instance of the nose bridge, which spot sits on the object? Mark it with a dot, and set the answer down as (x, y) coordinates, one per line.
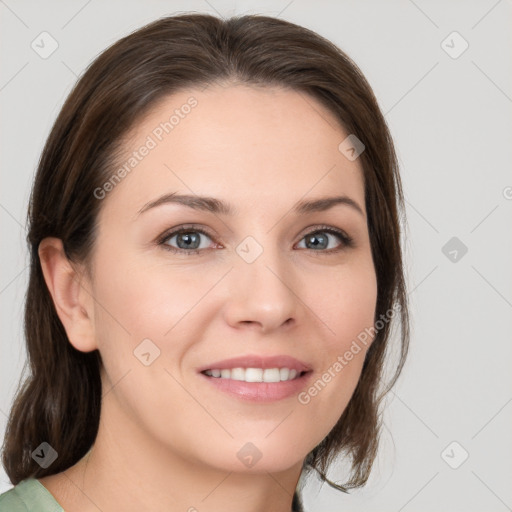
(261, 286)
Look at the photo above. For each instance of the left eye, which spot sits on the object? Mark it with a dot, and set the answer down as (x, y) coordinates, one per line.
(320, 239)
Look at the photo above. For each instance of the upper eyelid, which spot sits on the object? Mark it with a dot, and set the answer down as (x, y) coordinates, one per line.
(176, 231)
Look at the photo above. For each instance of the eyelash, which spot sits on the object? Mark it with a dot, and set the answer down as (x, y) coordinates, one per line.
(346, 241)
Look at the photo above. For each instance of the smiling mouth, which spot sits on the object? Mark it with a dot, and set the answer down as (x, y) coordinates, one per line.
(268, 375)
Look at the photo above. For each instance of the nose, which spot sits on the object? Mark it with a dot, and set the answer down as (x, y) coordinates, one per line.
(262, 295)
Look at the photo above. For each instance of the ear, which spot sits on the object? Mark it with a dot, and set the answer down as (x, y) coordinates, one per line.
(71, 294)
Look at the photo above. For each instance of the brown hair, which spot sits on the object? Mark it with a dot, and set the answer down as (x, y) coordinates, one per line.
(59, 403)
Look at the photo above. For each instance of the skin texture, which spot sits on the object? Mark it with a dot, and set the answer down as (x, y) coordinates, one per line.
(168, 440)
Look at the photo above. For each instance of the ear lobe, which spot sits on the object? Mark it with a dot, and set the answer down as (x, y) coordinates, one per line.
(73, 303)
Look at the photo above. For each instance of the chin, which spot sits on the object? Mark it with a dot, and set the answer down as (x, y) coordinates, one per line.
(258, 456)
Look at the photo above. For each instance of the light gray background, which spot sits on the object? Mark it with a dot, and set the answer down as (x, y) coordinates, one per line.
(451, 121)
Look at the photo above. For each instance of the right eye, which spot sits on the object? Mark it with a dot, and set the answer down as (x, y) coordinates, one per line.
(187, 240)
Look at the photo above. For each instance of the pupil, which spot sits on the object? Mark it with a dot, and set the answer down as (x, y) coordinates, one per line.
(190, 240)
(323, 241)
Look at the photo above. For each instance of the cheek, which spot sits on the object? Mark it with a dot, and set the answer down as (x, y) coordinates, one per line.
(347, 308)
(149, 309)
(149, 301)
(346, 301)
(137, 302)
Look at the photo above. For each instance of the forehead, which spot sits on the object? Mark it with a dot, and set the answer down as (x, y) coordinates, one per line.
(239, 143)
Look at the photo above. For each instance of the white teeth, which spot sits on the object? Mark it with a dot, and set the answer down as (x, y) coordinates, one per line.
(254, 374)
(271, 375)
(237, 374)
(284, 373)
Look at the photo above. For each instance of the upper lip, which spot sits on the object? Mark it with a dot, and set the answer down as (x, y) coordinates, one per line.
(255, 361)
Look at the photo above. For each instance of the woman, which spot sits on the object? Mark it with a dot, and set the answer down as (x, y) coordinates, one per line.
(215, 269)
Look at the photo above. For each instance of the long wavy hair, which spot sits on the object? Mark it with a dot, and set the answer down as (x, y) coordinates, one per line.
(59, 401)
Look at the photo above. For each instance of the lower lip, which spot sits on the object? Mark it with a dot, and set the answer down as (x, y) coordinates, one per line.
(260, 391)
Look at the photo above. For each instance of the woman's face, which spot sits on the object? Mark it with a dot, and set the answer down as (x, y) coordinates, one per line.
(266, 283)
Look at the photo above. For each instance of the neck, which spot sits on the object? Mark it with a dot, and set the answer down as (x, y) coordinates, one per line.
(125, 470)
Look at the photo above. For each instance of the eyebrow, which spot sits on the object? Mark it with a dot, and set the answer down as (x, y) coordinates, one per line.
(213, 205)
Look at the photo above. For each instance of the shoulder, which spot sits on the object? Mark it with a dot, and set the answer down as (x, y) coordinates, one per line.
(11, 501)
(29, 495)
